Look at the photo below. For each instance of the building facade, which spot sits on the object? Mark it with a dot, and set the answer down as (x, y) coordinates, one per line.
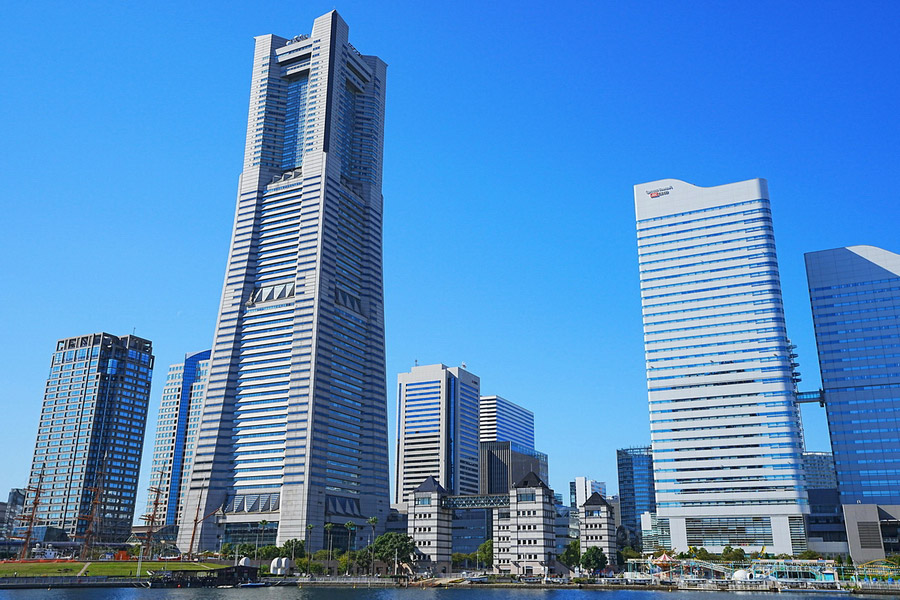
(503, 421)
(818, 467)
(87, 456)
(598, 528)
(725, 429)
(501, 464)
(176, 436)
(294, 428)
(437, 429)
(583, 488)
(10, 511)
(524, 533)
(855, 297)
(637, 492)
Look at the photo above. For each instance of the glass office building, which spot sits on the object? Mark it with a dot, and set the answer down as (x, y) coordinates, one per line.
(294, 428)
(855, 297)
(501, 464)
(724, 426)
(176, 436)
(637, 493)
(437, 430)
(88, 451)
(503, 421)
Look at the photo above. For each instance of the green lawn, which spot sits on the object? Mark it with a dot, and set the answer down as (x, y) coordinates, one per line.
(108, 568)
(8, 569)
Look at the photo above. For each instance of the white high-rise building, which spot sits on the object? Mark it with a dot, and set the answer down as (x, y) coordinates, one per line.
(437, 430)
(583, 488)
(294, 429)
(725, 428)
(503, 421)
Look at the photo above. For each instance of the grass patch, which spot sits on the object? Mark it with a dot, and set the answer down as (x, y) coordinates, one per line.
(105, 567)
(62, 569)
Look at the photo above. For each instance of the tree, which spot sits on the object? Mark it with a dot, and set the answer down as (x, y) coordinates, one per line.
(809, 555)
(227, 550)
(393, 544)
(347, 561)
(259, 529)
(328, 528)
(306, 546)
(351, 530)
(269, 552)
(485, 553)
(571, 556)
(730, 554)
(594, 559)
(246, 550)
(629, 552)
(292, 549)
(704, 554)
(372, 521)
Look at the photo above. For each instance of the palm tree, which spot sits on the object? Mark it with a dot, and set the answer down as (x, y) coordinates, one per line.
(328, 527)
(309, 528)
(262, 525)
(372, 521)
(351, 529)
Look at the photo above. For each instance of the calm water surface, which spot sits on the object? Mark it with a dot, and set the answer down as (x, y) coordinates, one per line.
(292, 593)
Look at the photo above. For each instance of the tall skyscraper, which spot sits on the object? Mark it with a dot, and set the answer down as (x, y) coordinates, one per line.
(88, 451)
(176, 435)
(637, 493)
(294, 429)
(583, 488)
(724, 426)
(503, 421)
(855, 296)
(437, 430)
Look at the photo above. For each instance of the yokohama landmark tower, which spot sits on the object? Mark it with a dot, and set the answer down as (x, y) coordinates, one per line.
(294, 426)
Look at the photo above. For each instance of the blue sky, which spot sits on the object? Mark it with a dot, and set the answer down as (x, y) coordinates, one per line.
(515, 132)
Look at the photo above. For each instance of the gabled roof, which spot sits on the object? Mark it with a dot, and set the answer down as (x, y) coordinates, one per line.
(530, 481)
(430, 485)
(595, 500)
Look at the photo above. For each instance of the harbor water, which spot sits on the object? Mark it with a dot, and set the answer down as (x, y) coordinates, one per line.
(467, 593)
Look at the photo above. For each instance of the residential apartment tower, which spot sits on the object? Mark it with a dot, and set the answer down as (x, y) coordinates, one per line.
(88, 451)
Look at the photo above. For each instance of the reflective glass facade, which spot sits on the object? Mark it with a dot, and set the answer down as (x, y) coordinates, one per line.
(294, 426)
(176, 434)
(91, 435)
(855, 297)
(503, 421)
(637, 493)
(724, 428)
